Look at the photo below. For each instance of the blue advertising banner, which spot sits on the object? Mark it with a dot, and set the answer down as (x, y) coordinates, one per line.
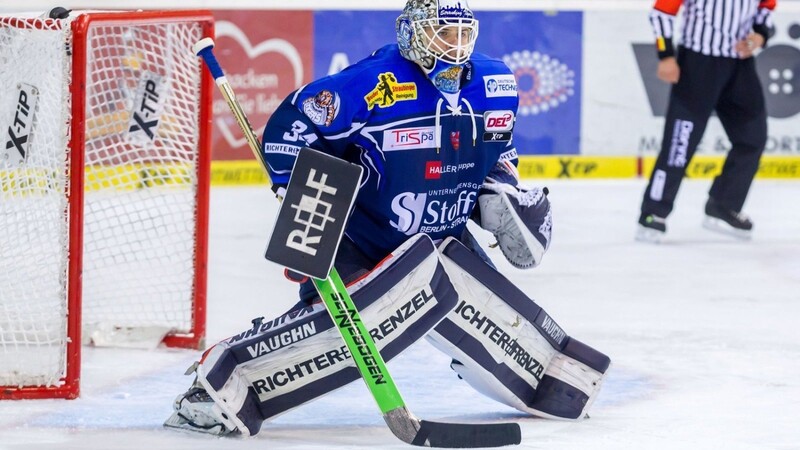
(342, 38)
(544, 50)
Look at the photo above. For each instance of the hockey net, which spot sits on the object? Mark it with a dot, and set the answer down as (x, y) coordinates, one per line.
(104, 163)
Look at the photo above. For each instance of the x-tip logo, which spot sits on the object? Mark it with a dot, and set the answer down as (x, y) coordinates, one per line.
(19, 131)
(147, 111)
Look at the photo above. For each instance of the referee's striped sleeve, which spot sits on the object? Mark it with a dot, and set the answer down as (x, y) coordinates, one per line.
(662, 19)
(762, 22)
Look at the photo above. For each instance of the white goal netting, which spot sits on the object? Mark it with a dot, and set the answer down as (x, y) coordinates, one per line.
(139, 148)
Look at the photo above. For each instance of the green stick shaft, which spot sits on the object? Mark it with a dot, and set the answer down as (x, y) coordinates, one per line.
(360, 344)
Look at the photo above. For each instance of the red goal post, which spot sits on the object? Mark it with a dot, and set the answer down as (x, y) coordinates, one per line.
(105, 123)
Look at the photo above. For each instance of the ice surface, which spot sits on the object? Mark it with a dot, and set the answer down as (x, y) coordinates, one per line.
(702, 331)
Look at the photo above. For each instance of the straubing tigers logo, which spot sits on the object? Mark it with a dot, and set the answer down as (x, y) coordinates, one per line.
(389, 91)
(449, 79)
(322, 108)
(543, 82)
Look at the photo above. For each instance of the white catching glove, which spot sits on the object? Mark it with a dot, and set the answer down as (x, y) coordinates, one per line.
(519, 218)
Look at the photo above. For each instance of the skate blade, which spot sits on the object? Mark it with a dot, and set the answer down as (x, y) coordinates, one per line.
(176, 422)
(644, 234)
(722, 227)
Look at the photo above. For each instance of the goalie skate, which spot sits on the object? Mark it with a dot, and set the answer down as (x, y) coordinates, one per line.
(195, 411)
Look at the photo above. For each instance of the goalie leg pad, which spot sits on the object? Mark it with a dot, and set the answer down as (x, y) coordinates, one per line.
(510, 349)
(280, 364)
(571, 382)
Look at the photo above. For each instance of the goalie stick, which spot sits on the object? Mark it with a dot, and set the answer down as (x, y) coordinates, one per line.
(403, 424)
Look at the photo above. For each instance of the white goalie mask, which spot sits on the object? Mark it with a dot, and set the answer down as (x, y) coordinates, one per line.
(431, 30)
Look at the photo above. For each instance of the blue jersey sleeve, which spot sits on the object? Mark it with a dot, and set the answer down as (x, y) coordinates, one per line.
(321, 115)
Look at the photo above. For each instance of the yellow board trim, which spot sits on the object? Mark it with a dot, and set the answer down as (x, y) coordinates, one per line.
(126, 177)
(246, 172)
(250, 172)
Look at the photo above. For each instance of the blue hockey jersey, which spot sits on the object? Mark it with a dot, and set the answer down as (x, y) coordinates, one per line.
(424, 158)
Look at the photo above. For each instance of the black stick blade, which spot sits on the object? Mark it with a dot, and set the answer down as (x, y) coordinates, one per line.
(424, 433)
(462, 435)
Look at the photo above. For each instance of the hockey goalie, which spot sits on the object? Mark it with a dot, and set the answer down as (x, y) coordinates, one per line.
(431, 124)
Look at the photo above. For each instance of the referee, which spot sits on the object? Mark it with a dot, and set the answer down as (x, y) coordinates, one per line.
(712, 70)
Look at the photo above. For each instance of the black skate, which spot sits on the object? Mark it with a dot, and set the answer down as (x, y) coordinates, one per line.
(652, 228)
(727, 221)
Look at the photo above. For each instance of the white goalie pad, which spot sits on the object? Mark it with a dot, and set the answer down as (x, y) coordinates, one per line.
(508, 348)
(283, 363)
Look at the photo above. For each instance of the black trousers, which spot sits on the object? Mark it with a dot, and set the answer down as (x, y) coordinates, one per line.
(731, 88)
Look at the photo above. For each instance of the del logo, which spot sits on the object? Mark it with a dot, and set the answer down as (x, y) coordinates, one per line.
(433, 170)
(388, 92)
(498, 121)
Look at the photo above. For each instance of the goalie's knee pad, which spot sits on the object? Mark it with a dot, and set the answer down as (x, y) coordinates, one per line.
(510, 349)
(280, 364)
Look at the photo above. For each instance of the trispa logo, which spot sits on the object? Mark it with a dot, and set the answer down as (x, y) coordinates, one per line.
(19, 131)
(409, 138)
(388, 92)
(500, 85)
(148, 107)
(544, 82)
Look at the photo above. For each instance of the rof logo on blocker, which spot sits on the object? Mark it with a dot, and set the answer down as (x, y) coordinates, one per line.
(320, 195)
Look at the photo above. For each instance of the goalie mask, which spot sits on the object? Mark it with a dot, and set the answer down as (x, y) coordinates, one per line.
(439, 35)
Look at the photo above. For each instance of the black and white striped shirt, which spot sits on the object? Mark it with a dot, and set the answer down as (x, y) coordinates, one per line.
(710, 27)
